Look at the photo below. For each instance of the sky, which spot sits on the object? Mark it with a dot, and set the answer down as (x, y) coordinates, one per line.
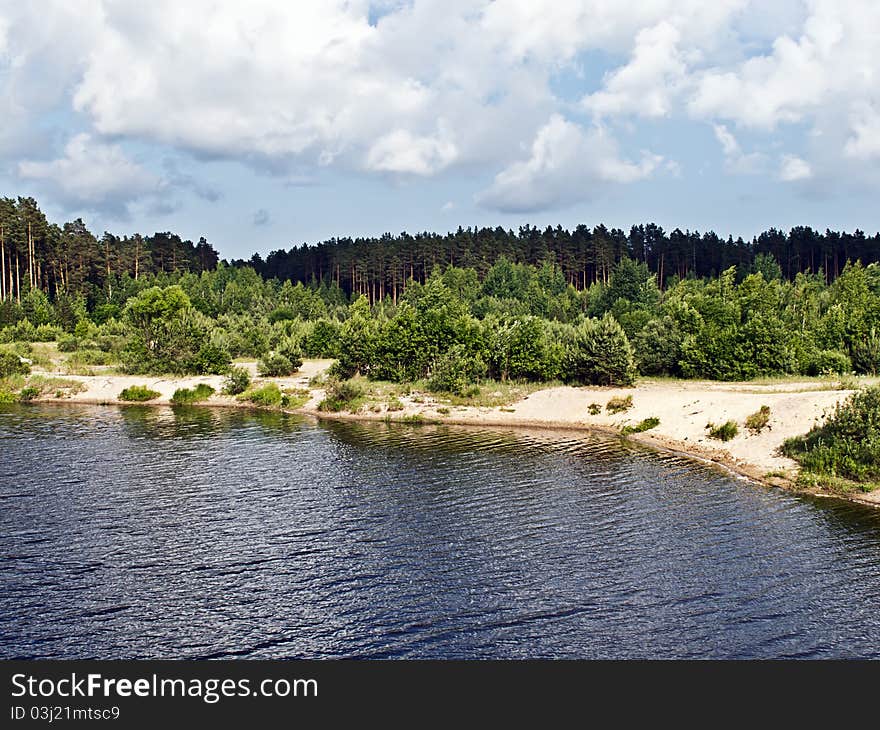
(267, 124)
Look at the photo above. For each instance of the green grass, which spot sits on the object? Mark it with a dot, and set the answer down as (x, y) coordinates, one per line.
(343, 395)
(29, 393)
(138, 394)
(494, 394)
(724, 432)
(295, 398)
(757, 421)
(268, 396)
(845, 448)
(188, 396)
(413, 419)
(642, 426)
(594, 409)
(59, 387)
(619, 404)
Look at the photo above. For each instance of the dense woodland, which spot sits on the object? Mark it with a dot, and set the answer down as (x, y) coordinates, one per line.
(69, 258)
(587, 306)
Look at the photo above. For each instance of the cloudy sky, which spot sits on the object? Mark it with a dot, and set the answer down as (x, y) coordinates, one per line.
(268, 123)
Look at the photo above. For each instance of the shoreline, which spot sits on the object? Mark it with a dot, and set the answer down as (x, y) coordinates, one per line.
(683, 407)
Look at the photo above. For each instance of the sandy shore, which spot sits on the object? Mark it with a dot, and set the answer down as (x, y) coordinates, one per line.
(683, 407)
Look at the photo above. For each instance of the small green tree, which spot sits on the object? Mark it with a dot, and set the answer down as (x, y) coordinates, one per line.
(600, 354)
(357, 340)
(165, 334)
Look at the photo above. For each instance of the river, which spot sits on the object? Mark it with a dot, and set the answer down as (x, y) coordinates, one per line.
(142, 532)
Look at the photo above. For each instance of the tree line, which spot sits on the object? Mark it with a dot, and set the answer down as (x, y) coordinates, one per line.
(452, 324)
(69, 259)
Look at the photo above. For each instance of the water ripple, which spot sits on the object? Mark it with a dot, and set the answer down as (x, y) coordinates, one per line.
(196, 533)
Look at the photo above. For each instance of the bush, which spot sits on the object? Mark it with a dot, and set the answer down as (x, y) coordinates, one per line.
(724, 432)
(90, 357)
(276, 365)
(138, 393)
(211, 359)
(619, 405)
(519, 349)
(29, 393)
(237, 381)
(454, 371)
(166, 334)
(12, 364)
(645, 425)
(658, 347)
(848, 443)
(601, 354)
(269, 395)
(829, 361)
(323, 340)
(342, 395)
(47, 333)
(758, 420)
(185, 396)
(594, 409)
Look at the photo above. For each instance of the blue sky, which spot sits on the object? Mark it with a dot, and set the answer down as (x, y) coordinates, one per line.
(278, 123)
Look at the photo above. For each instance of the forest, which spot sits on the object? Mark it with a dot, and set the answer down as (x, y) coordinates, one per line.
(587, 306)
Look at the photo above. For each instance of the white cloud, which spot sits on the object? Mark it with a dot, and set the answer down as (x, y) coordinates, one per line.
(735, 160)
(400, 151)
(793, 168)
(567, 164)
(647, 84)
(831, 64)
(425, 87)
(864, 142)
(93, 174)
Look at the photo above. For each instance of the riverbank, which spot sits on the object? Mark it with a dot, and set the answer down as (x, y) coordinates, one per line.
(683, 408)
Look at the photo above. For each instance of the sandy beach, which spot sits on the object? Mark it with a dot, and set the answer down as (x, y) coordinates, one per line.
(683, 407)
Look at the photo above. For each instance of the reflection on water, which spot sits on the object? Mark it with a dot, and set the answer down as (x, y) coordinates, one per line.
(195, 532)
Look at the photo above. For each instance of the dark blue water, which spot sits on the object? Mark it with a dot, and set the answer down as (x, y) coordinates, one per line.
(147, 532)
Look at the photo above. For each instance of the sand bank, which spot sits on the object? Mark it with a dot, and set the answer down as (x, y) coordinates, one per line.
(683, 407)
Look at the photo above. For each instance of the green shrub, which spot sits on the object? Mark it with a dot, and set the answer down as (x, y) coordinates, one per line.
(323, 339)
(275, 365)
(619, 404)
(138, 393)
(47, 333)
(600, 354)
(29, 393)
(657, 347)
(724, 432)
(68, 343)
(90, 357)
(829, 361)
(211, 359)
(594, 409)
(342, 395)
(296, 398)
(645, 425)
(757, 421)
(847, 444)
(269, 395)
(456, 370)
(237, 381)
(185, 396)
(12, 364)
